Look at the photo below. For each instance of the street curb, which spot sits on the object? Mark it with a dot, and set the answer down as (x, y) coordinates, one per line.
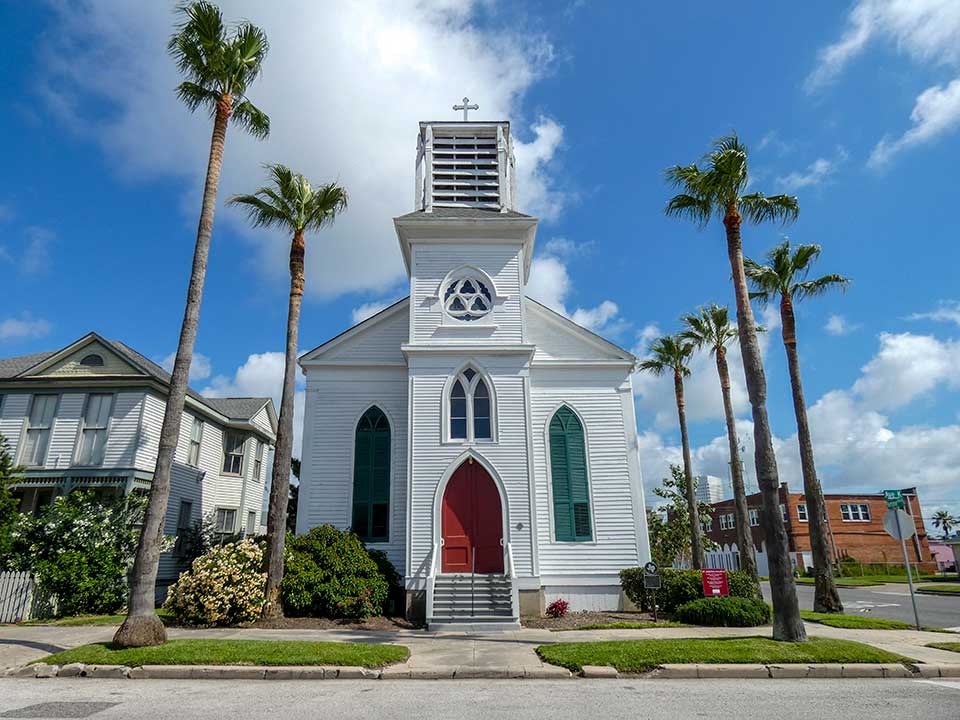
(546, 672)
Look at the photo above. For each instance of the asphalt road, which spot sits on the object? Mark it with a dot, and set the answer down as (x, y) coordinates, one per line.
(890, 601)
(482, 699)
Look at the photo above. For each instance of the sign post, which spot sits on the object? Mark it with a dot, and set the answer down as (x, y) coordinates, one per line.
(652, 582)
(900, 526)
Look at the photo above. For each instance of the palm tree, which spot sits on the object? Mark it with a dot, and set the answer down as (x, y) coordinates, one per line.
(290, 203)
(786, 278)
(715, 190)
(672, 354)
(710, 328)
(219, 65)
(945, 522)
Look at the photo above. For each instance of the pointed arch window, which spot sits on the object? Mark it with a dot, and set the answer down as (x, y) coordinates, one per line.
(470, 408)
(371, 477)
(568, 469)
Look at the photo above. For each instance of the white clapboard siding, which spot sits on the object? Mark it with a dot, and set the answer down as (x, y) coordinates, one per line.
(122, 441)
(381, 344)
(336, 399)
(63, 433)
(432, 459)
(13, 412)
(599, 404)
(262, 420)
(434, 262)
(185, 484)
(556, 342)
(152, 422)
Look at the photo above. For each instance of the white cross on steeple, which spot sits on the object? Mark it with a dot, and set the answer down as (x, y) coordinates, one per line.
(466, 107)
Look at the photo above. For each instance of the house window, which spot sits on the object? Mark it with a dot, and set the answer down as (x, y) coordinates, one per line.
(754, 517)
(707, 524)
(251, 523)
(783, 511)
(568, 469)
(257, 459)
(93, 437)
(233, 444)
(184, 517)
(92, 360)
(196, 436)
(855, 513)
(226, 521)
(42, 409)
(467, 298)
(723, 521)
(371, 477)
(470, 408)
(731, 521)
(802, 512)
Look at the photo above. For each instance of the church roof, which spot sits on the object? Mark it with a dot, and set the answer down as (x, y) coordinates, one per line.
(446, 213)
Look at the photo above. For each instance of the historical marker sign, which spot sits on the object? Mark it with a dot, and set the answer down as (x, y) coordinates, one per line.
(715, 583)
(894, 499)
(651, 576)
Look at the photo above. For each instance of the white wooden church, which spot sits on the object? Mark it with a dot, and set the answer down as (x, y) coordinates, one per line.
(485, 442)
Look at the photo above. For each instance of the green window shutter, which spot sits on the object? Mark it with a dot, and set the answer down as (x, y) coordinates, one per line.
(371, 477)
(568, 469)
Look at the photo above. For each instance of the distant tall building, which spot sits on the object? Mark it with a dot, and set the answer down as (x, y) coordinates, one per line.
(709, 488)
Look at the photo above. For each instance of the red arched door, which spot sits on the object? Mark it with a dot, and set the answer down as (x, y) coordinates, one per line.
(471, 522)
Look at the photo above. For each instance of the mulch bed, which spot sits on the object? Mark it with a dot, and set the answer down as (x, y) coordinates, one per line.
(573, 620)
(381, 624)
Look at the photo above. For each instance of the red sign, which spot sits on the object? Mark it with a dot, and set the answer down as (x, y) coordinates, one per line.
(715, 583)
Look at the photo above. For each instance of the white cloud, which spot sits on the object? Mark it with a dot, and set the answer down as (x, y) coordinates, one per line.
(838, 325)
(200, 367)
(816, 173)
(550, 284)
(345, 86)
(36, 255)
(597, 317)
(947, 311)
(936, 111)
(367, 310)
(261, 375)
(23, 327)
(562, 247)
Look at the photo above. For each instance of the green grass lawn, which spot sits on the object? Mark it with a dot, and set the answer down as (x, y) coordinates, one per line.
(234, 652)
(643, 655)
(849, 581)
(943, 589)
(951, 646)
(624, 625)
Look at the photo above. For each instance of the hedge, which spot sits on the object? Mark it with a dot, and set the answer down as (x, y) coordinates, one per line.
(679, 587)
(725, 612)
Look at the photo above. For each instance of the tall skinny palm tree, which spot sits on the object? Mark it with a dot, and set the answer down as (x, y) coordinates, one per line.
(785, 279)
(220, 64)
(672, 354)
(945, 522)
(716, 190)
(290, 202)
(711, 328)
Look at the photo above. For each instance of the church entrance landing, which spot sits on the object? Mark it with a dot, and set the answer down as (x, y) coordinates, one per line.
(471, 523)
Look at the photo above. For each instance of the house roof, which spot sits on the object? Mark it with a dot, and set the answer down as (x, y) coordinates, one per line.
(242, 409)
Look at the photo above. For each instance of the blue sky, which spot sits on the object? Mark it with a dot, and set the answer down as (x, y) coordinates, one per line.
(854, 107)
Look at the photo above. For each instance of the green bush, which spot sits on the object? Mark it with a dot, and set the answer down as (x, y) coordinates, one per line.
(224, 587)
(330, 573)
(724, 612)
(679, 587)
(88, 582)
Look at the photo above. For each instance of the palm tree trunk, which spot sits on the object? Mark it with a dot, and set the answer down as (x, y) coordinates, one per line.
(825, 598)
(787, 624)
(696, 537)
(748, 561)
(280, 482)
(142, 626)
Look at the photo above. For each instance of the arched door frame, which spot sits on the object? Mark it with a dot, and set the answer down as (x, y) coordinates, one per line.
(442, 488)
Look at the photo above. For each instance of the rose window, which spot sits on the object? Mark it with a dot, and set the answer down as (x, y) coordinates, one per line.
(467, 299)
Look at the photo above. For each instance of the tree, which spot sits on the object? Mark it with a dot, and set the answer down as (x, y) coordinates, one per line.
(672, 354)
(670, 535)
(290, 202)
(785, 278)
(220, 65)
(715, 190)
(9, 514)
(945, 522)
(710, 328)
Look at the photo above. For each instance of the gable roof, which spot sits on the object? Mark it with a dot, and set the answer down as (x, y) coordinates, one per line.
(25, 366)
(357, 329)
(581, 332)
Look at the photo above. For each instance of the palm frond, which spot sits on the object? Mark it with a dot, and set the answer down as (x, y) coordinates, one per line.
(290, 201)
(820, 286)
(670, 352)
(710, 327)
(696, 209)
(767, 283)
(252, 119)
(325, 204)
(758, 208)
(247, 51)
(194, 95)
(260, 212)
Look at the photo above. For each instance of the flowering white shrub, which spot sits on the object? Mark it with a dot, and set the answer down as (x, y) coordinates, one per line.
(224, 587)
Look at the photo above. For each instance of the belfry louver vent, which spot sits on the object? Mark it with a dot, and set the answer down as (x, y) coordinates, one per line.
(465, 172)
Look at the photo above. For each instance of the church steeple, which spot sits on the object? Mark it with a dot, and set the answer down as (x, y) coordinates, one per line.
(465, 164)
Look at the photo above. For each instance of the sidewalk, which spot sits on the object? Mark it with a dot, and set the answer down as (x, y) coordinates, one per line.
(439, 653)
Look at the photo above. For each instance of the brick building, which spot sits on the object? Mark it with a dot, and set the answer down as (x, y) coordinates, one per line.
(855, 524)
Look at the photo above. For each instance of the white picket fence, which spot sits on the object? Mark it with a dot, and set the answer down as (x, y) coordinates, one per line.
(20, 599)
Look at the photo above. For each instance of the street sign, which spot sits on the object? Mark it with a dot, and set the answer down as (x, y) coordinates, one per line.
(894, 499)
(898, 525)
(715, 583)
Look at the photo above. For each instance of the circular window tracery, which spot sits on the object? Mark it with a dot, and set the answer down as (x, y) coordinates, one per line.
(467, 298)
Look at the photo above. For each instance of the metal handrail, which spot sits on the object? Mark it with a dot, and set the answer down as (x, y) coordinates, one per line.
(473, 572)
(431, 579)
(512, 574)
